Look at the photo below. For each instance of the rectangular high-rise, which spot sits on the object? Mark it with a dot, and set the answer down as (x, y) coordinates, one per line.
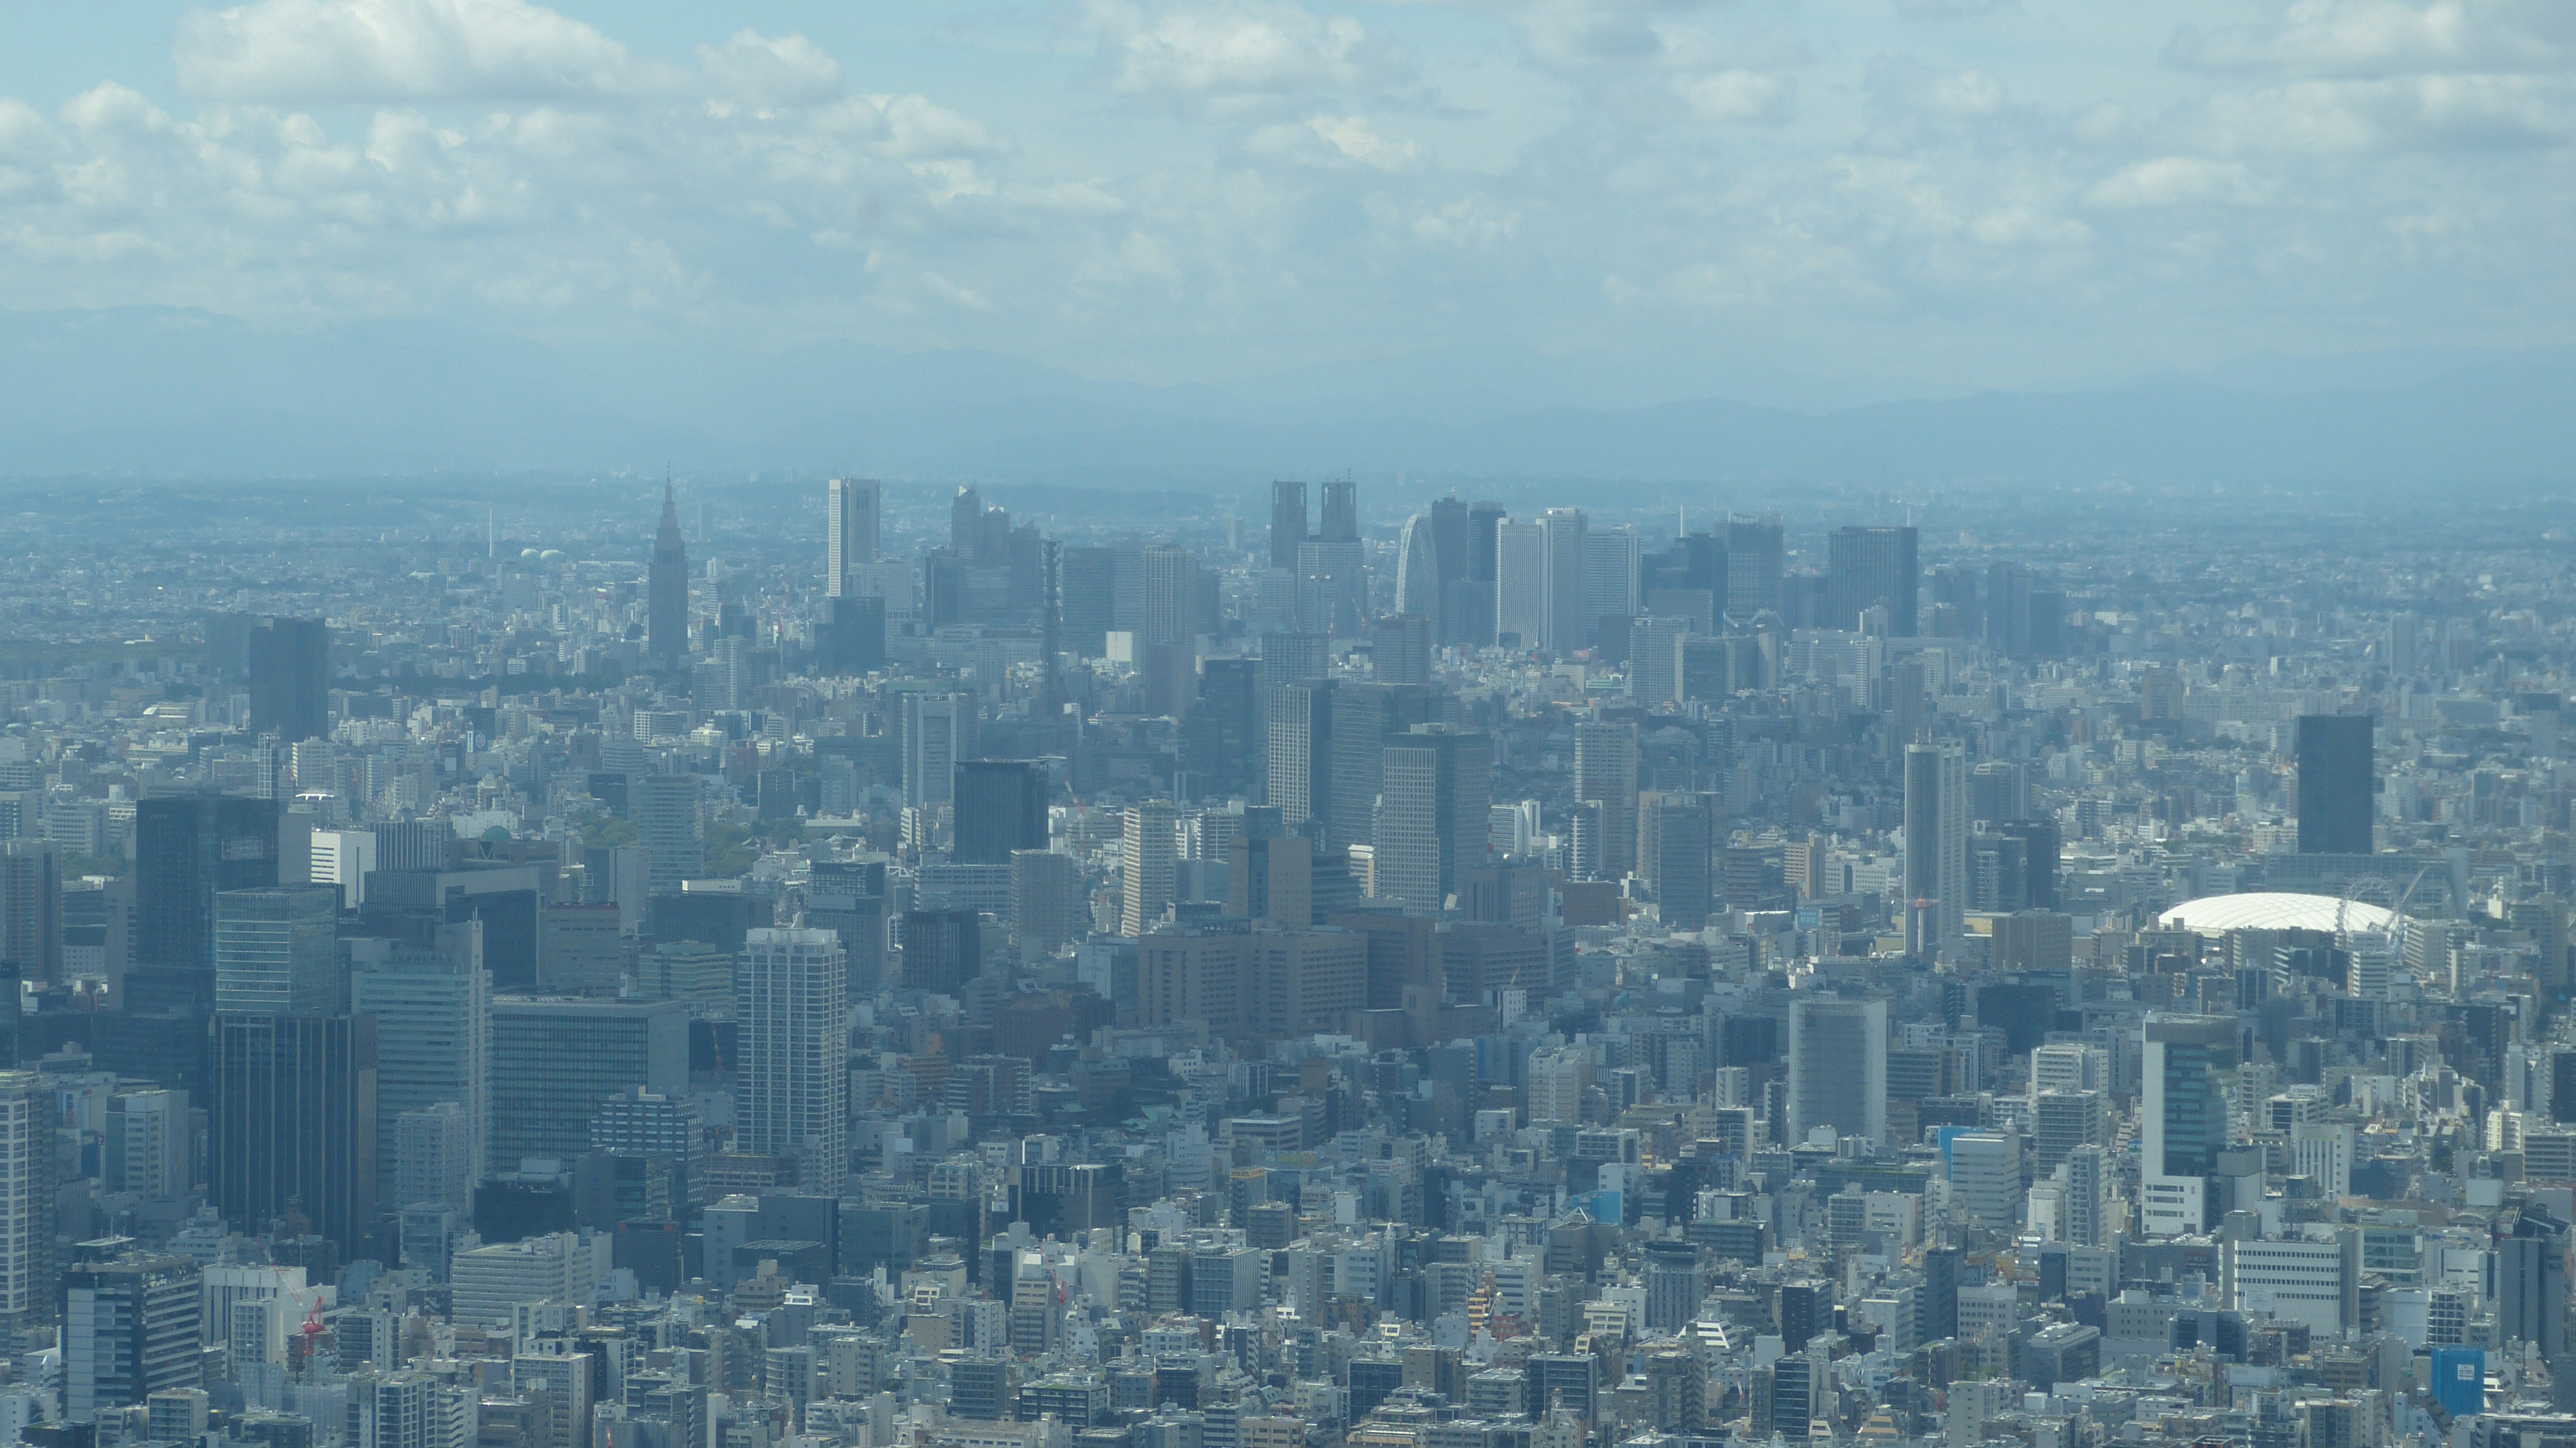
(28, 1113)
(1674, 836)
(31, 909)
(1001, 809)
(1837, 1067)
(2337, 784)
(432, 1000)
(1754, 559)
(130, 1329)
(1936, 845)
(293, 1123)
(1868, 568)
(791, 1013)
(277, 951)
(1605, 775)
(1147, 857)
(664, 808)
(290, 678)
(1564, 624)
(1520, 583)
(852, 507)
(555, 1062)
(2185, 1108)
(935, 729)
(1287, 522)
(1431, 817)
(187, 848)
(1300, 776)
(1365, 717)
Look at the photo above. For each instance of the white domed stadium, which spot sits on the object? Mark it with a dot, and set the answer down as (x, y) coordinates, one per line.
(2218, 914)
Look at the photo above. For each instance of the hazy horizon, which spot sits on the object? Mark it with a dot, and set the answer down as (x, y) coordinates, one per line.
(1600, 204)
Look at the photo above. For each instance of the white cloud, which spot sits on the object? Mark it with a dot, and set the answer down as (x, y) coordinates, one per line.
(2176, 181)
(1238, 58)
(316, 51)
(2389, 37)
(1352, 136)
(1739, 95)
(758, 70)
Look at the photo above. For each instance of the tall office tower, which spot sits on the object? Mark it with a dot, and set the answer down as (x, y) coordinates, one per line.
(582, 950)
(277, 951)
(437, 1157)
(1870, 568)
(1449, 550)
(1999, 791)
(966, 524)
(290, 678)
(1402, 651)
(2184, 1109)
(1467, 588)
(851, 507)
(666, 589)
(1171, 596)
(1435, 794)
(28, 1266)
(1222, 746)
(2531, 1289)
(432, 1001)
(851, 637)
(1001, 809)
(1754, 557)
(1838, 1067)
(1520, 583)
(1048, 911)
(1332, 585)
(554, 1062)
(147, 1148)
(2402, 635)
(188, 847)
(1339, 518)
(1087, 596)
(342, 858)
(942, 950)
(1563, 626)
(2039, 859)
(1605, 775)
(1293, 658)
(2063, 1120)
(1301, 752)
(1936, 845)
(936, 730)
(1655, 660)
(31, 909)
(1673, 842)
(1287, 523)
(1146, 860)
(1364, 718)
(664, 808)
(293, 1123)
(130, 1329)
(791, 1016)
(1271, 877)
(2337, 784)
(1417, 569)
(1613, 568)
(2087, 1170)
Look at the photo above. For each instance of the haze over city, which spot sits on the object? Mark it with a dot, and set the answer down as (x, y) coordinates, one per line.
(1118, 724)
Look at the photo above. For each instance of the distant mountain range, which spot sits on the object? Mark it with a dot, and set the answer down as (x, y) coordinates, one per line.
(182, 393)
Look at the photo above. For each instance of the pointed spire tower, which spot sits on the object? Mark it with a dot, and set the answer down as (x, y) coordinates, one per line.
(666, 617)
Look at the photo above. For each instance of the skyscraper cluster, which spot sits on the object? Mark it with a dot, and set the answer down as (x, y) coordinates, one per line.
(997, 967)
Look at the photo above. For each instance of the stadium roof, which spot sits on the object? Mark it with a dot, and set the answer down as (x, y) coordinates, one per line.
(2215, 914)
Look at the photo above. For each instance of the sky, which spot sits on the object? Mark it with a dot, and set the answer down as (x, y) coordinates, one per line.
(1899, 197)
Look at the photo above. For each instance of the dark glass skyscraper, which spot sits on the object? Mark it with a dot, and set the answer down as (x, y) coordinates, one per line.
(2337, 783)
(1754, 556)
(1001, 807)
(290, 678)
(188, 847)
(1868, 568)
(293, 1124)
(1287, 523)
(666, 588)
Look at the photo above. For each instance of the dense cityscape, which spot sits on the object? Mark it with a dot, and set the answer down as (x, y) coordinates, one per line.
(651, 964)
